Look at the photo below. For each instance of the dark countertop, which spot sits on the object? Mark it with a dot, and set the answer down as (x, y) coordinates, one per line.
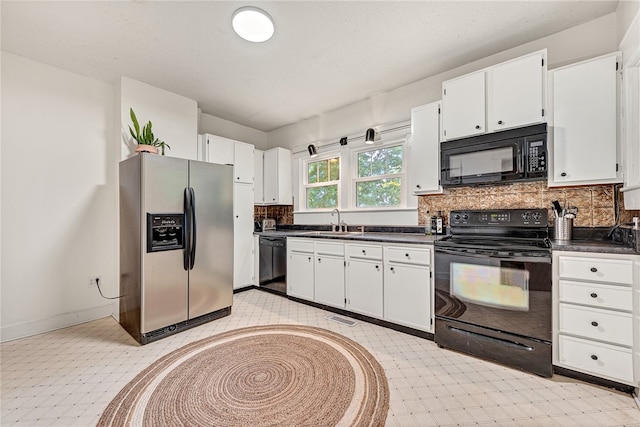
(585, 239)
(407, 235)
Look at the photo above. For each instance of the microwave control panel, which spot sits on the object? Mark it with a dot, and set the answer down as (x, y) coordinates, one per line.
(537, 155)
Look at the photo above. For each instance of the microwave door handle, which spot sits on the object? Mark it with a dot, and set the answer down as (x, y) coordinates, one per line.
(520, 160)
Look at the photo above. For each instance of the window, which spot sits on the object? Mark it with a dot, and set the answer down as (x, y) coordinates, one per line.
(322, 182)
(378, 182)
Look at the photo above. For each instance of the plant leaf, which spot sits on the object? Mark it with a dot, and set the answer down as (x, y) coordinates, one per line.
(134, 119)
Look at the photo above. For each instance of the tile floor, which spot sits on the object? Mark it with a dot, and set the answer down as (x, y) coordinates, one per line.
(67, 377)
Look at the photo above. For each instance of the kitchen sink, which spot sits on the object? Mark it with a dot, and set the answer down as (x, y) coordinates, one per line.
(331, 233)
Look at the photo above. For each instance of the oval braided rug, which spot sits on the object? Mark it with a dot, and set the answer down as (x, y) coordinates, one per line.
(278, 375)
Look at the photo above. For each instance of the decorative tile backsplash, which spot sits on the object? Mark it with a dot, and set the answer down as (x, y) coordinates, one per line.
(282, 214)
(596, 207)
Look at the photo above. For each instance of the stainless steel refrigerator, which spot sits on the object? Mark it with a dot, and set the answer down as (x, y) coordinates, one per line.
(176, 244)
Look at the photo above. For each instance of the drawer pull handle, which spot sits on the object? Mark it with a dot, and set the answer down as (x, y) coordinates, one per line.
(377, 267)
(319, 259)
(392, 269)
(594, 357)
(407, 255)
(594, 295)
(364, 252)
(594, 323)
(593, 269)
(309, 258)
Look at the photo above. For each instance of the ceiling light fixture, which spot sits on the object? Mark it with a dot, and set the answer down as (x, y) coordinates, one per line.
(252, 24)
(313, 151)
(370, 136)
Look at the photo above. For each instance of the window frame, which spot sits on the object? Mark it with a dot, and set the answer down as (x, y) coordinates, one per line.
(306, 185)
(354, 179)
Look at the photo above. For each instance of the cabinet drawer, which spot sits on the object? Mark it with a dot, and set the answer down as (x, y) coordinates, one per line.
(596, 295)
(407, 255)
(596, 269)
(300, 245)
(325, 248)
(596, 358)
(594, 323)
(373, 252)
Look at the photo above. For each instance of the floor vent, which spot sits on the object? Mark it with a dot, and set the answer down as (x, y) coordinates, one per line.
(342, 320)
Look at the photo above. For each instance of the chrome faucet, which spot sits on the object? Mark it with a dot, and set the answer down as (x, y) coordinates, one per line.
(340, 223)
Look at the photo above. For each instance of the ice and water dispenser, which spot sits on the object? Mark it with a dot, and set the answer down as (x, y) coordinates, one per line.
(165, 231)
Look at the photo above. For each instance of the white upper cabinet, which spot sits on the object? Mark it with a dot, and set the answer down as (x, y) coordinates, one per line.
(243, 164)
(277, 186)
(424, 149)
(517, 92)
(463, 106)
(583, 126)
(258, 180)
(505, 96)
(218, 149)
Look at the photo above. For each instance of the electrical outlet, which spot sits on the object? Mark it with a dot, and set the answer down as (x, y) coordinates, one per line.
(92, 280)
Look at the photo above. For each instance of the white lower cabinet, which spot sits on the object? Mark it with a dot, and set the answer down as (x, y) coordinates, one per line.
(407, 287)
(300, 268)
(595, 321)
(329, 274)
(387, 282)
(364, 281)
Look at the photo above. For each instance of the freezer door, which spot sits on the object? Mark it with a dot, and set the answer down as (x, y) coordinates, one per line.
(211, 279)
(164, 279)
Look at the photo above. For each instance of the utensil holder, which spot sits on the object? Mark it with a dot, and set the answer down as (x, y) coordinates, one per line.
(563, 229)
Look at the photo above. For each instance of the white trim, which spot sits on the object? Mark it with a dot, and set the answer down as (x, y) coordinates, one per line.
(64, 320)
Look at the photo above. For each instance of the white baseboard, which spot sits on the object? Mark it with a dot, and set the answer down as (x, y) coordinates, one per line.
(39, 326)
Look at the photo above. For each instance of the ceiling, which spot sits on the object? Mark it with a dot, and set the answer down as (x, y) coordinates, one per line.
(324, 54)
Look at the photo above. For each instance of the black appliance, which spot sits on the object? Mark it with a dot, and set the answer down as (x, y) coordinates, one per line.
(493, 287)
(500, 157)
(273, 263)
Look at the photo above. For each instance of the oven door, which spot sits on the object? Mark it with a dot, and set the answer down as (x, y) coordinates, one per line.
(498, 291)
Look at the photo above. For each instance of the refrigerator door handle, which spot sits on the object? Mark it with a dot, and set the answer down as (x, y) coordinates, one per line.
(194, 228)
(187, 228)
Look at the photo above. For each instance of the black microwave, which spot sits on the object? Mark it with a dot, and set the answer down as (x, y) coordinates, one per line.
(496, 158)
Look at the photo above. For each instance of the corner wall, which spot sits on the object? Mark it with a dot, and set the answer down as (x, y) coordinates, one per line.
(58, 187)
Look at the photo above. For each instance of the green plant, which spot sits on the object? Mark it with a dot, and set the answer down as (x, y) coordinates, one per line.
(146, 137)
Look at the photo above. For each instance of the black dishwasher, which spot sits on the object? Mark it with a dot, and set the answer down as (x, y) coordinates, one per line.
(273, 263)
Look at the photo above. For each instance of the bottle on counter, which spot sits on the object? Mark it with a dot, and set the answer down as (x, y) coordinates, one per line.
(439, 222)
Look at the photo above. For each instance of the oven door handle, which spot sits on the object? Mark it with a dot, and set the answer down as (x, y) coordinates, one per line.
(495, 254)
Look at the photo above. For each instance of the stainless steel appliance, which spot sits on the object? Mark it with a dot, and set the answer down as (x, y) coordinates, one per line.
(493, 287)
(507, 156)
(176, 244)
(273, 263)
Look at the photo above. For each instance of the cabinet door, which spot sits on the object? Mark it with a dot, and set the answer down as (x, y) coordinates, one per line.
(300, 275)
(424, 149)
(221, 150)
(243, 166)
(243, 257)
(258, 181)
(407, 295)
(516, 92)
(463, 106)
(277, 188)
(584, 134)
(329, 281)
(364, 287)
(270, 175)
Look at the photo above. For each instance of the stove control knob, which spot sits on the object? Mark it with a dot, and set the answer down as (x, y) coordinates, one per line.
(457, 217)
(525, 216)
(537, 216)
(465, 216)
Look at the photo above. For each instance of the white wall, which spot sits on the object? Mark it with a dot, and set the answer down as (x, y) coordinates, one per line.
(58, 188)
(221, 127)
(593, 38)
(174, 117)
(625, 13)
